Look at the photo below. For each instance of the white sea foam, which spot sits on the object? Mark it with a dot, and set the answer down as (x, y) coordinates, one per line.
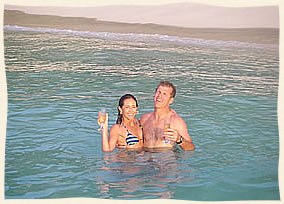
(142, 37)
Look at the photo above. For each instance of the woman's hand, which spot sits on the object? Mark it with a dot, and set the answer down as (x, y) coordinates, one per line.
(102, 120)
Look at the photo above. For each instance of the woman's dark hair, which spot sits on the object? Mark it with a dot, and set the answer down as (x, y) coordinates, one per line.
(120, 104)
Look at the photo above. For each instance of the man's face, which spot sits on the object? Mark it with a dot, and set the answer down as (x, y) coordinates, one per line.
(163, 97)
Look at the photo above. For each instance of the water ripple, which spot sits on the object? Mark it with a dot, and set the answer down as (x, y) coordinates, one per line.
(226, 93)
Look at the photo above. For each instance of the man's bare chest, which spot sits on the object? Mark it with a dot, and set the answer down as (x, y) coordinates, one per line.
(153, 130)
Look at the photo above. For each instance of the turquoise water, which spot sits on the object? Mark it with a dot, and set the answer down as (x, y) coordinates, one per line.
(58, 80)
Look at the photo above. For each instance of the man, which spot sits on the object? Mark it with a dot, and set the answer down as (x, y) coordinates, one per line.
(154, 131)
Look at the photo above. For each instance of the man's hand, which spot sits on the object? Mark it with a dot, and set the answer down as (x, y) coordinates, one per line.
(171, 135)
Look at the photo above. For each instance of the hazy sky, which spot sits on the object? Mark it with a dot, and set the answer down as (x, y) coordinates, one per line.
(233, 3)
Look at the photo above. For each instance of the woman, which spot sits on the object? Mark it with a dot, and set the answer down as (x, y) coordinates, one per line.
(127, 132)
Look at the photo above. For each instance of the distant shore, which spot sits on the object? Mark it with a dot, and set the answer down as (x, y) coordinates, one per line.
(252, 35)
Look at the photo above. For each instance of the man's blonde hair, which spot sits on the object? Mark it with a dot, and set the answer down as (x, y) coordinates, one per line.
(168, 84)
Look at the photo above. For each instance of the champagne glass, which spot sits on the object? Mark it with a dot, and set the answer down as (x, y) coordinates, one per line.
(167, 125)
(102, 118)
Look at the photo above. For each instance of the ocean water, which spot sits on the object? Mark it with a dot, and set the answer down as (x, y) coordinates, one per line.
(58, 80)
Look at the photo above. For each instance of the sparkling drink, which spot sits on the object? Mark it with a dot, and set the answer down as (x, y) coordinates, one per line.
(166, 126)
(102, 118)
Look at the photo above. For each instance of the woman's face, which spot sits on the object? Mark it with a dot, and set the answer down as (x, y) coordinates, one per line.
(129, 109)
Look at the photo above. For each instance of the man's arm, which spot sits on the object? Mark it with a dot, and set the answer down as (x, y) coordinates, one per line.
(185, 144)
(183, 137)
(178, 133)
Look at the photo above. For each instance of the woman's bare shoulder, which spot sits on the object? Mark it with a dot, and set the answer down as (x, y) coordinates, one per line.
(116, 128)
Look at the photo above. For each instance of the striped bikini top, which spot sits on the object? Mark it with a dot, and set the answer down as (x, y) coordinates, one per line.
(130, 138)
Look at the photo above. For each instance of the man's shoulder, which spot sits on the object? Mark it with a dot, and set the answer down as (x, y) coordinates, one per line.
(177, 119)
(175, 116)
(145, 117)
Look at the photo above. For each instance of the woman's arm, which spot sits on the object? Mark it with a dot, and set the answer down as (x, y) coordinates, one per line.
(108, 144)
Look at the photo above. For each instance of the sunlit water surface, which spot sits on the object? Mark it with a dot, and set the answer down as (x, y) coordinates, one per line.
(58, 80)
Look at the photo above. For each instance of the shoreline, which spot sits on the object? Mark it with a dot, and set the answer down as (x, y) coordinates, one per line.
(250, 35)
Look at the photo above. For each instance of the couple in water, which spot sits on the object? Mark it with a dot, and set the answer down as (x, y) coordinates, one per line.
(163, 128)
